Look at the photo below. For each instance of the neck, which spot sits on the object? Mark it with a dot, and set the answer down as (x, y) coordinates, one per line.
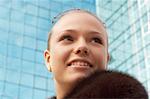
(61, 90)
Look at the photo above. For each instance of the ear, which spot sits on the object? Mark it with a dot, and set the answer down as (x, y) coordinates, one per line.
(47, 59)
(108, 57)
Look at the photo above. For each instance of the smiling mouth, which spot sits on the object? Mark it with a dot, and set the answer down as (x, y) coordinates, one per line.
(80, 64)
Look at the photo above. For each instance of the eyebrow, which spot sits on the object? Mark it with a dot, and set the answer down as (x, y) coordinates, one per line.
(96, 32)
(89, 32)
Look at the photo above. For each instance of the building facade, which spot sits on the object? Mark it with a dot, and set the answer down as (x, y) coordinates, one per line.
(24, 27)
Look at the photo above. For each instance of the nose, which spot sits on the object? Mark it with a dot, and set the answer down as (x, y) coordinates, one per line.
(82, 49)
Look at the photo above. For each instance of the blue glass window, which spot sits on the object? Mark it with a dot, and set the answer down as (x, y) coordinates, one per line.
(44, 4)
(30, 19)
(29, 42)
(3, 49)
(41, 45)
(17, 27)
(1, 88)
(51, 85)
(43, 23)
(30, 30)
(39, 57)
(44, 13)
(15, 39)
(11, 90)
(39, 94)
(32, 9)
(28, 66)
(26, 92)
(4, 26)
(27, 79)
(41, 70)
(2, 73)
(14, 51)
(42, 34)
(17, 16)
(18, 5)
(13, 76)
(2, 61)
(5, 13)
(40, 82)
(14, 63)
(27, 53)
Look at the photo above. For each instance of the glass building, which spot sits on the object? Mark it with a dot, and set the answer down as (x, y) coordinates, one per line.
(24, 27)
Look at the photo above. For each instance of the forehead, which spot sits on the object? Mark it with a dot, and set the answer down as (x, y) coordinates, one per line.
(80, 21)
(73, 18)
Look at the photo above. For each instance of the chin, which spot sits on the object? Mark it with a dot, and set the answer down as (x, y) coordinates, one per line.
(76, 74)
(77, 77)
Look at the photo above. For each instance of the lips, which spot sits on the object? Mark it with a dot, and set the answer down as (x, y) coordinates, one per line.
(80, 63)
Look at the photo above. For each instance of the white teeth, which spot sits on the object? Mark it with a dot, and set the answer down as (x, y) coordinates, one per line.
(80, 63)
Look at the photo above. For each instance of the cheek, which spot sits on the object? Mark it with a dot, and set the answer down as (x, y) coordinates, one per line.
(99, 55)
(59, 55)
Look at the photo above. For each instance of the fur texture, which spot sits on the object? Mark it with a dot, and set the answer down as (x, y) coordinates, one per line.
(108, 84)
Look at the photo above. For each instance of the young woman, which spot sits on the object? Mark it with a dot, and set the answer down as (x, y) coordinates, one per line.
(77, 46)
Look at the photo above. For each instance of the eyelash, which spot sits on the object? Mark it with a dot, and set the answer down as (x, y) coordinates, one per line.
(97, 40)
(70, 38)
(67, 37)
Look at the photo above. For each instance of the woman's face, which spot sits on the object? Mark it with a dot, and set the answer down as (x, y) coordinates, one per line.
(78, 46)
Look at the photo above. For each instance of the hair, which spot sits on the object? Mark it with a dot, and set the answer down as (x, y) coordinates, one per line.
(108, 84)
(59, 16)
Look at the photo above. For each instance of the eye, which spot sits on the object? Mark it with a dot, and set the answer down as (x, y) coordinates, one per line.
(66, 38)
(97, 40)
